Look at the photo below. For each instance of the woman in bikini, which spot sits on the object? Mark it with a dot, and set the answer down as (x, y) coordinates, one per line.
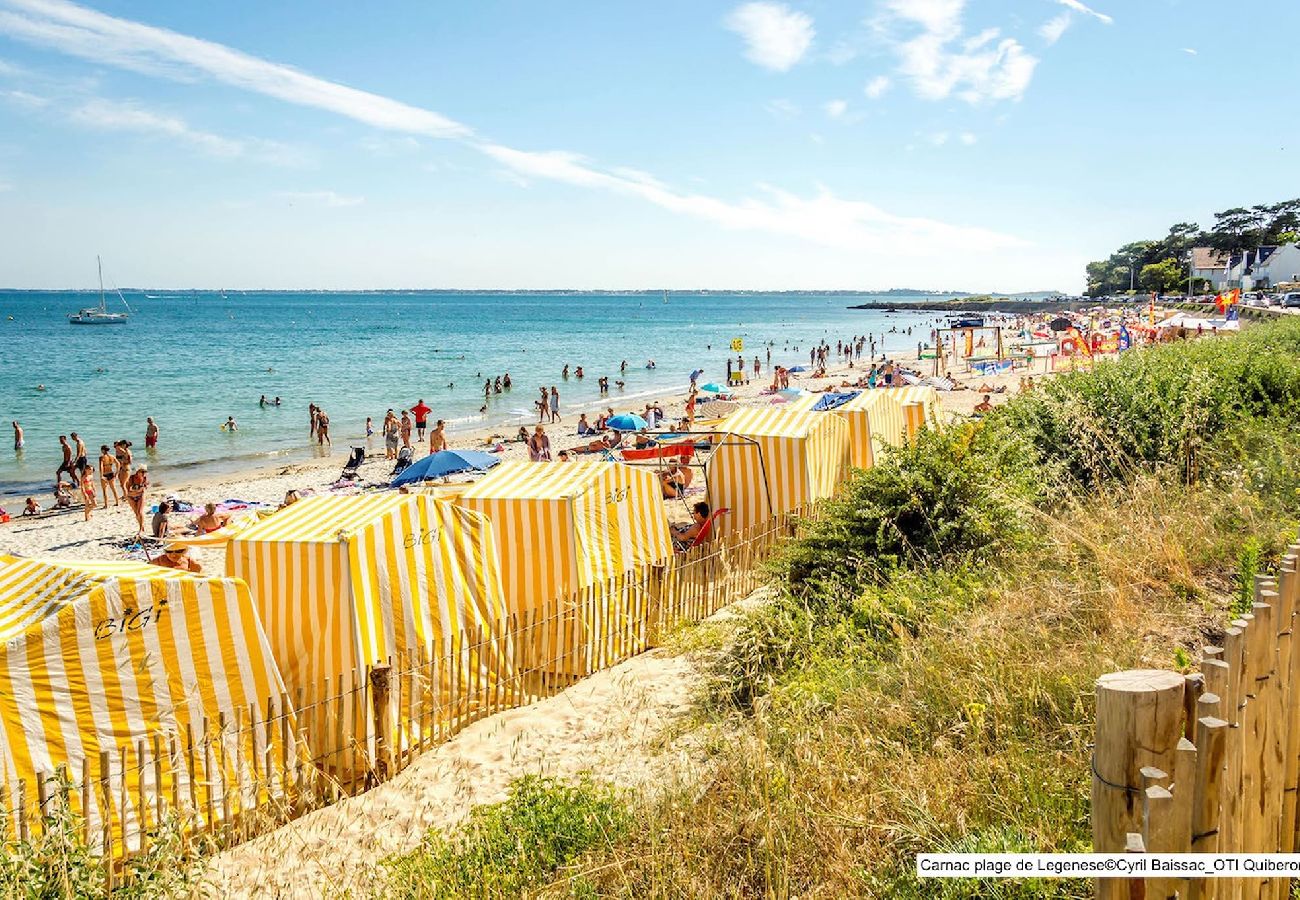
(108, 475)
(122, 450)
(88, 491)
(136, 485)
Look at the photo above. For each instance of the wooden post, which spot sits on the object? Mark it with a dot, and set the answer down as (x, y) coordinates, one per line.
(1139, 723)
(381, 699)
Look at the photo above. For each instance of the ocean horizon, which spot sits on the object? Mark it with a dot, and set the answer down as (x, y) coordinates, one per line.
(192, 358)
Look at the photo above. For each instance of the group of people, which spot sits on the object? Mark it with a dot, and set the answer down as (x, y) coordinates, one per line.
(398, 430)
(115, 467)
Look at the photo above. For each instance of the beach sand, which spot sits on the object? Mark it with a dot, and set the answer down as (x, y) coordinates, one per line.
(104, 537)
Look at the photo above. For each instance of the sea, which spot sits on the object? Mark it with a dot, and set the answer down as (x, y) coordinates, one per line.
(191, 359)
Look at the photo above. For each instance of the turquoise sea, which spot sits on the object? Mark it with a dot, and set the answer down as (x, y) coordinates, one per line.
(190, 359)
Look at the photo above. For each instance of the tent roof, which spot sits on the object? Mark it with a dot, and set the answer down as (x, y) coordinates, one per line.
(520, 480)
(774, 422)
(33, 589)
(320, 519)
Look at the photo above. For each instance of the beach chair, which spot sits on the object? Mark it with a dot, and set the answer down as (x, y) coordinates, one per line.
(705, 532)
(404, 459)
(353, 465)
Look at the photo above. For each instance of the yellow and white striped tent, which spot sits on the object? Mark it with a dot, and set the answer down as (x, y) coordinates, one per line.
(881, 414)
(97, 656)
(774, 460)
(347, 582)
(563, 527)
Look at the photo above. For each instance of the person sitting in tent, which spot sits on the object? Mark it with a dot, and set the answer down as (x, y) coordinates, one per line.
(685, 535)
(177, 558)
(675, 480)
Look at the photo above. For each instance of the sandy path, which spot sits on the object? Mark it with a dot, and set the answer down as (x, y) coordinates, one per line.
(617, 724)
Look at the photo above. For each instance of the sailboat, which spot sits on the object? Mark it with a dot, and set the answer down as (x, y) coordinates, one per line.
(99, 315)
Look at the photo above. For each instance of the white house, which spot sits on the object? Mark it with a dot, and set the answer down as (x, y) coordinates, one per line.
(1212, 265)
(1271, 266)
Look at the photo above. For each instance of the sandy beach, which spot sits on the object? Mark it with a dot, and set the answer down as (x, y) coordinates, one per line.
(111, 532)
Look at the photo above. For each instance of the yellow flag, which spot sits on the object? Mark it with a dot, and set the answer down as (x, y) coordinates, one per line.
(737, 344)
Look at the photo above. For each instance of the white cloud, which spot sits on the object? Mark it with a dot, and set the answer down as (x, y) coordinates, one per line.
(938, 138)
(782, 109)
(816, 138)
(25, 99)
(841, 54)
(1080, 8)
(823, 218)
(112, 115)
(320, 198)
(1053, 28)
(836, 108)
(968, 138)
(939, 61)
(1189, 51)
(776, 37)
(386, 145)
(877, 87)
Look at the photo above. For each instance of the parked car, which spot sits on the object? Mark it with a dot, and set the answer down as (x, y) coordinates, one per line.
(1291, 300)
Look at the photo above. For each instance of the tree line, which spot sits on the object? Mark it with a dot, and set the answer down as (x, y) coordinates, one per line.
(1162, 265)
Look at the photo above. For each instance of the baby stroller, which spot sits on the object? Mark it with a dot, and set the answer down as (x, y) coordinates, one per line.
(403, 460)
(353, 465)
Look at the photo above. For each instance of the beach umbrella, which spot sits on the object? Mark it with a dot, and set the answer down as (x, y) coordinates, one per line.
(797, 369)
(1061, 324)
(445, 462)
(714, 388)
(627, 422)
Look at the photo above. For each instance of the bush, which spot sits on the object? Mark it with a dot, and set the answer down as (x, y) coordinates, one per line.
(508, 848)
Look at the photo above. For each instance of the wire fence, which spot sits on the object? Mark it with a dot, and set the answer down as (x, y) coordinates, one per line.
(223, 782)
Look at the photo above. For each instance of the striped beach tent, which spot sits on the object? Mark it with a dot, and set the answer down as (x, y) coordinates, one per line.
(858, 417)
(347, 582)
(563, 527)
(888, 416)
(100, 656)
(774, 460)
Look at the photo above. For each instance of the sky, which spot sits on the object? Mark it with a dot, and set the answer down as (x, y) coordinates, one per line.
(983, 145)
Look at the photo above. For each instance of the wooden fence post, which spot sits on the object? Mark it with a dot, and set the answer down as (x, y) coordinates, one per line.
(1139, 723)
(381, 696)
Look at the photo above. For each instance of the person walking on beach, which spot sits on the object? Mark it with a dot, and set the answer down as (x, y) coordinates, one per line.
(136, 485)
(392, 435)
(79, 460)
(66, 465)
(323, 429)
(421, 413)
(555, 404)
(150, 433)
(406, 429)
(108, 475)
(122, 450)
(87, 492)
(757, 368)
(18, 437)
(438, 437)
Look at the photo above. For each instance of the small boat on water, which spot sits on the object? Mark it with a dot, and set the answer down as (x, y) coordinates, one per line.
(99, 315)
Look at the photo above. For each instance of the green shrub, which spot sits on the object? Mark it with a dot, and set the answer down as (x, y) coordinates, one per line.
(507, 848)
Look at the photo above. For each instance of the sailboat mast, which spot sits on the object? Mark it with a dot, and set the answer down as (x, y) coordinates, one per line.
(100, 263)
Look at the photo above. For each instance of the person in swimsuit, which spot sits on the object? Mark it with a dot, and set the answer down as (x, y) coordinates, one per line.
(122, 450)
(421, 413)
(162, 522)
(323, 428)
(392, 435)
(438, 437)
(539, 446)
(18, 436)
(406, 429)
(210, 521)
(555, 404)
(87, 492)
(108, 475)
(66, 465)
(311, 413)
(177, 558)
(150, 433)
(79, 460)
(136, 486)
(32, 508)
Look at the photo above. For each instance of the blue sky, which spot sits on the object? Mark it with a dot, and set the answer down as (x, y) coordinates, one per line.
(944, 144)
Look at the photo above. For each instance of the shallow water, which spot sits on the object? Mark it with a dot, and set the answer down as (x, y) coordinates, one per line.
(190, 359)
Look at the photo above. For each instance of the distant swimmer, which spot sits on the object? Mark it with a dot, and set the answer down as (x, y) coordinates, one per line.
(270, 368)
(450, 385)
(18, 435)
(40, 387)
(263, 402)
(229, 424)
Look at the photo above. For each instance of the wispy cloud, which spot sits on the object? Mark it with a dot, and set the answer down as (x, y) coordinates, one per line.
(968, 138)
(385, 145)
(938, 138)
(836, 108)
(1053, 28)
(112, 115)
(782, 108)
(1189, 51)
(776, 37)
(25, 99)
(823, 218)
(320, 198)
(1087, 11)
(877, 87)
(939, 60)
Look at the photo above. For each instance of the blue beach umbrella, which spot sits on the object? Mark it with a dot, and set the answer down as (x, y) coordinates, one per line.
(627, 422)
(714, 388)
(445, 462)
(797, 369)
